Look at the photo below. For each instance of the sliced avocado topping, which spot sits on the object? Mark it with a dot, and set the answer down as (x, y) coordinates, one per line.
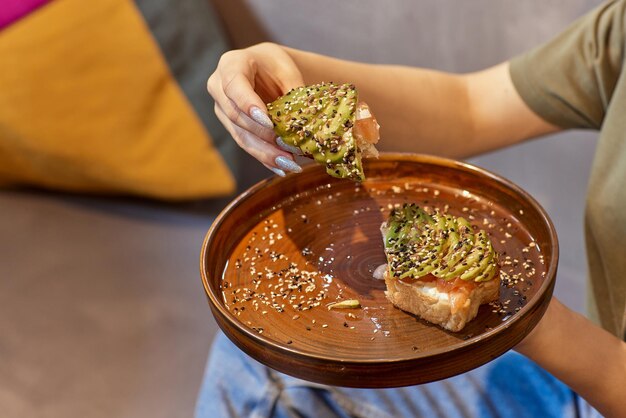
(318, 119)
(459, 251)
(418, 243)
(487, 274)
(451, 243)
(480, 265)
(466, 262)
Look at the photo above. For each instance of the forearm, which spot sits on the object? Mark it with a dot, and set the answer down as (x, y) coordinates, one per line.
(433, 112)
(585, 357)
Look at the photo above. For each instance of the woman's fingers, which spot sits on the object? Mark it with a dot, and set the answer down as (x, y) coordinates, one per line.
(275, 170)
(239, 92)
(257, 122)
(252, 144)
(268, 154)
(289, 148)
(239, 87)
(241, 79)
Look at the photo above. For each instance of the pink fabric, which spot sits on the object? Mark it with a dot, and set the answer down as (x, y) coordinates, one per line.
(12, 10)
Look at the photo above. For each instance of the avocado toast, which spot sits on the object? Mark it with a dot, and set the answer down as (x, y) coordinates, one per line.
(328, 123)
(438, 266)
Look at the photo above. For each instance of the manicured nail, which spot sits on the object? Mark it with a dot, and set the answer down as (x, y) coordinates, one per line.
(287, 147)
(277, 171)
(261, 117)
(287, 164)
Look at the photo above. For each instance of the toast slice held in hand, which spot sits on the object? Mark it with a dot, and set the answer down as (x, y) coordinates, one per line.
(328, 123)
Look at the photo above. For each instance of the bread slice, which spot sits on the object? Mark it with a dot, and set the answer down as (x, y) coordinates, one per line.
(450, 310)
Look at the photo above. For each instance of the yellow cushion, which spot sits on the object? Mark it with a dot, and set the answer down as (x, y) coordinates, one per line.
(87, 104)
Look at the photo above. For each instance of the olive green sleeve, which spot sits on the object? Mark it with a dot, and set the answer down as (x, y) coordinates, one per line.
(569, 81)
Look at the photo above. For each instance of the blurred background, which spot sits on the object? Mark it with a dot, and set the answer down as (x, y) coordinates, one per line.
(102, 313)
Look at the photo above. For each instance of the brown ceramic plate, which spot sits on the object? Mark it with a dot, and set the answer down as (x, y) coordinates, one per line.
(287, 247)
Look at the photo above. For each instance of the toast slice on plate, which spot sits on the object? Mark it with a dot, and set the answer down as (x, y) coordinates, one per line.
(438, 266)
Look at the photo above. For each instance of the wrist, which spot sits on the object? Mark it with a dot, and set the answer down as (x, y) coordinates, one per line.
(544, 331)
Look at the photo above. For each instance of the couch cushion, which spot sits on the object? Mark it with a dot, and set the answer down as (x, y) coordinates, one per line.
(89, 104)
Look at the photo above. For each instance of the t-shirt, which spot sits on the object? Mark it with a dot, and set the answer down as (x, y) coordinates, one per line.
(577, 81)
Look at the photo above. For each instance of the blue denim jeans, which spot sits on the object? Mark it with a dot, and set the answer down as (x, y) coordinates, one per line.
(511, 386)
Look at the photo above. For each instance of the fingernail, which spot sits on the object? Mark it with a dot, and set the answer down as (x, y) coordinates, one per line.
(287, 164)
(277, 171)
(261, 117)
(287, 147)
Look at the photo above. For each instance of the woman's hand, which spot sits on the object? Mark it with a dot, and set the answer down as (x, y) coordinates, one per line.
(242, 83)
